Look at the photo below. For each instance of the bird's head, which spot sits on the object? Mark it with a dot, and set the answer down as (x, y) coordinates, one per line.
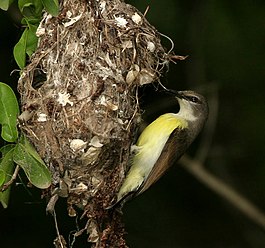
(193, 106)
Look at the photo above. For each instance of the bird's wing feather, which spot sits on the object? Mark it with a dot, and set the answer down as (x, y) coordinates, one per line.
(173, 150)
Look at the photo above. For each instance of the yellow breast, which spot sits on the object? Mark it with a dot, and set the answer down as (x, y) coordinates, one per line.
(161, 128)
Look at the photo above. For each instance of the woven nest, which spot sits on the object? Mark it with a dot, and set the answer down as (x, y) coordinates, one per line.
(79, 97)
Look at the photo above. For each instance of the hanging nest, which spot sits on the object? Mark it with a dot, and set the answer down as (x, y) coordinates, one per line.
(80, 105)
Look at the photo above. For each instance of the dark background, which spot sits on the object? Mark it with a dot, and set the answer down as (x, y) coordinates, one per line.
(225, 41)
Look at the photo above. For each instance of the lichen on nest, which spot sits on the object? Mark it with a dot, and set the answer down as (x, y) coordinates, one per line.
(80, 94)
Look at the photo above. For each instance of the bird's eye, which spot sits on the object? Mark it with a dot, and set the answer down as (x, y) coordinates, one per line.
(194, 99)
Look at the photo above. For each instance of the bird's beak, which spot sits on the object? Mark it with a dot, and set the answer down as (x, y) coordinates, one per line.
(177, 94)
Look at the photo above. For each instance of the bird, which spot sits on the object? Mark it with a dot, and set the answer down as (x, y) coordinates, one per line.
(162, 143)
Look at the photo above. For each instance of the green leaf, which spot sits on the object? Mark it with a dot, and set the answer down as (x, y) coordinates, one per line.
(30, 8)
(51, 6)
(20, 49)
(5, 149)
(2, 175)
(29, 160)
(26, 45)
(30, 20)
(32, 40)
(4, 4)
(8, 113)
(6, 163)
(7, 167)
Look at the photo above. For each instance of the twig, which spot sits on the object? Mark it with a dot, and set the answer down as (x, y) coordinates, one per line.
(12, 179)
(224, 190)
(59, 242)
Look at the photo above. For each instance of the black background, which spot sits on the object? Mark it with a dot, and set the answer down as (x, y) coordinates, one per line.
(225, 41)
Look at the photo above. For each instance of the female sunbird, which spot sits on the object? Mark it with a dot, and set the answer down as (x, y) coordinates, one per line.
(162, 143)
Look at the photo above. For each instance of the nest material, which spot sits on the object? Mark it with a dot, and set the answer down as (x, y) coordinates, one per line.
(79, 93)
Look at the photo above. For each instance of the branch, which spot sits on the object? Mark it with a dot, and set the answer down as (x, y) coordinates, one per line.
(224, 190)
